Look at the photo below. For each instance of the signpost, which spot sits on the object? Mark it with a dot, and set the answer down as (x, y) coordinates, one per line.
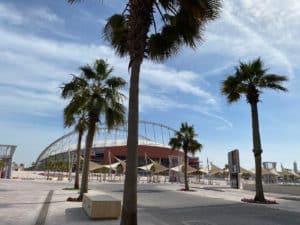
(234, 168)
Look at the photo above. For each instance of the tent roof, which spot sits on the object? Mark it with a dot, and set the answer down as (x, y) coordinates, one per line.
(287, 172)
(179, 169)
(215, 170)
(269, 172)
(113, 166)
(203, 170)
(94, 166)
(158, 167)
(146, 167)
(243, 170)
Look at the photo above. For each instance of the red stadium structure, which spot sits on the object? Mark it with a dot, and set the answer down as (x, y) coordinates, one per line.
(109, 145)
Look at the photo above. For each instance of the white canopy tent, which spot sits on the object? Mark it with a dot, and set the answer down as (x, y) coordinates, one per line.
(204, 170)
(146, 167)
(180, 169)
(158, 168)
(215, 169)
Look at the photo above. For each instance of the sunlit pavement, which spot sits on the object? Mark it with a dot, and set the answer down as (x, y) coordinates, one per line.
(23, 202)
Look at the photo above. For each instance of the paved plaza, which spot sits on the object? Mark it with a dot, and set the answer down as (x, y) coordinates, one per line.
(43, 202)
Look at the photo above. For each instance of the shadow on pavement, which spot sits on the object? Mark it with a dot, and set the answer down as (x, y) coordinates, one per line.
(77, 214)
(5, 205)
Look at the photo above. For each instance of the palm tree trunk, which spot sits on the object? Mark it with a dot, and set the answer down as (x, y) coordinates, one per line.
(186, 183)
(129, 210)
(139, 20)
(257, 150)
(86, 163)
(78, 155)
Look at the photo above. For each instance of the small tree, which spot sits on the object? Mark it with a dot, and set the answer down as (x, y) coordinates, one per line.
(249, 80)
(80, 120)
(98, 94)
(185, 139)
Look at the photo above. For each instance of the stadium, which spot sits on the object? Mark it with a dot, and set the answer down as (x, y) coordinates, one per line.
(110, 146)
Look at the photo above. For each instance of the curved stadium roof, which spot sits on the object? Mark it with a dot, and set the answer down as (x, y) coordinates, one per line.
(150, 133)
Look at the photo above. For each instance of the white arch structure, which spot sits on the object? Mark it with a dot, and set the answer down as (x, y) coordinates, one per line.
(150, 133)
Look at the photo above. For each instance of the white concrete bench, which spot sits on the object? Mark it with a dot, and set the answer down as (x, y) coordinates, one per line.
(101, 206)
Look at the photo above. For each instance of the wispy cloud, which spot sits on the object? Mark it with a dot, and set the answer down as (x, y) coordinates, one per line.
(249, 29)
(36, 66)
(9, 13)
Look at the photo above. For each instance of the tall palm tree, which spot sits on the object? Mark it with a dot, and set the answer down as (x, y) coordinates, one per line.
(2, 166)
(80, 122)
(185, 139)
(98, 94)
(135, 33)
(249, 80)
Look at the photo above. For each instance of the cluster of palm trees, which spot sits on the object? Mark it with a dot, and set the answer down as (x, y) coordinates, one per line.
(136, 33)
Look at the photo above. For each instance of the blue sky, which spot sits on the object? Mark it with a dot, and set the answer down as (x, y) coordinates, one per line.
(41, 42)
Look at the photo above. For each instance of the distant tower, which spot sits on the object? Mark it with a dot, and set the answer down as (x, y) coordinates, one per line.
(295, 167)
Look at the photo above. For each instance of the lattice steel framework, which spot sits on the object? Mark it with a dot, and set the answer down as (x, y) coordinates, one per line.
(150, 133)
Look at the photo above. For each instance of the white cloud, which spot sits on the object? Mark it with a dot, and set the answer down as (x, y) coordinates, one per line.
(252, 28)
(8, 14)
(12, 15)
(46, 15)
(37, 66)
(165, 103)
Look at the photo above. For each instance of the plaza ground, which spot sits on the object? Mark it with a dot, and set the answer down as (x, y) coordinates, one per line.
(22, 202)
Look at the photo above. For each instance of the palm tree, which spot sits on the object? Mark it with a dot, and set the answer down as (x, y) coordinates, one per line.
(185, 139)
(249, 80)
(135, 33)
(81, 126)
(2, 166)
(98, 94)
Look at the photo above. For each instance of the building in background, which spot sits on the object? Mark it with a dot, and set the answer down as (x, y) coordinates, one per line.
(110, 145)
(295, 167)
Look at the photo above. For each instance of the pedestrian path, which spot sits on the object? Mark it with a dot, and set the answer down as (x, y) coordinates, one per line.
(286, 202)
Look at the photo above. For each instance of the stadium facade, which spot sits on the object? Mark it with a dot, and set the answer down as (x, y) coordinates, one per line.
(110, 145)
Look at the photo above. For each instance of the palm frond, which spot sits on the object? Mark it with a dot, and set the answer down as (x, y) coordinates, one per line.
(115, 116)
(175, 143)
(162, 45)
(74, 1)
(115, 32)
(194, 146)
(88, 72)
(101, 69)
(230, 88)
(116, 82)
(185, 139)
(272, 79)
(275, 86)
(75, 85)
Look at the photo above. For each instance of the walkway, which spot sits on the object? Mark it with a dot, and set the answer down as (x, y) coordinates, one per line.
(21, 202)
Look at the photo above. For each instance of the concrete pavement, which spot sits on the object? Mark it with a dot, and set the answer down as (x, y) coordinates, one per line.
(21, 203)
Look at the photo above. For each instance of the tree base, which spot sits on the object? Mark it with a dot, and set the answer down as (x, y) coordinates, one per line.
(189, 190)
(251, 200)
(70, 199)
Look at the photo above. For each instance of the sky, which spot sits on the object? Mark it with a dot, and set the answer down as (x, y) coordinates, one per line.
(43, 42)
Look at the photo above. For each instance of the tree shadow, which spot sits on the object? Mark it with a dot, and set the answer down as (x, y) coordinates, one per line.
(6, 205)
(78, 215)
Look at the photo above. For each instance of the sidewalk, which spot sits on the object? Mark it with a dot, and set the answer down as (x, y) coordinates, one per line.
(286, 202)
(62, 212)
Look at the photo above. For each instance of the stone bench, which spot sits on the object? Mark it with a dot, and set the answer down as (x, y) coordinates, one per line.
(101, 206)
